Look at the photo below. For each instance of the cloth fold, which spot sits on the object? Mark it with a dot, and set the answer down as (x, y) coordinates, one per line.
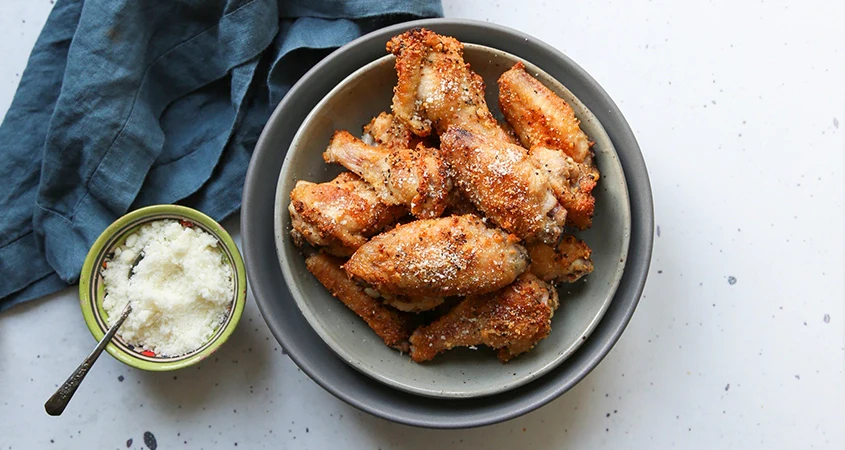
(125, 104)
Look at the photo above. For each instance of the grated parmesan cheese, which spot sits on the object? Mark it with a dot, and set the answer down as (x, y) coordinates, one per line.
(180, 290)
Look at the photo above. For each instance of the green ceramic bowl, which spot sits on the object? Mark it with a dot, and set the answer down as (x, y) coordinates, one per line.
(91, 291)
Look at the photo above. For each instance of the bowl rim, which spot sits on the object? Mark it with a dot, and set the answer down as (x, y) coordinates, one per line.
(373, 397)
(121, 227)
(291, 279)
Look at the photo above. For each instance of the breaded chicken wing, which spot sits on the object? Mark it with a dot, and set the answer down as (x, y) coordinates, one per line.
(436, 88)
(539, 116)
(392, 326)
(417, 178)
(511, 320)
(389, 132)
(339, 215)
(442, 257)
(572, 183)
(510, 188)
(569, 261)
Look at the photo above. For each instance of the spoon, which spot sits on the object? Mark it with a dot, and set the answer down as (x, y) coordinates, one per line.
(59, 401)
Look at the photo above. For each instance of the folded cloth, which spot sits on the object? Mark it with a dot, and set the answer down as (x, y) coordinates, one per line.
(128, 103)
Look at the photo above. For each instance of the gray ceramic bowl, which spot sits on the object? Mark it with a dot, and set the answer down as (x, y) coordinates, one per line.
(462, 372)
(304, 345)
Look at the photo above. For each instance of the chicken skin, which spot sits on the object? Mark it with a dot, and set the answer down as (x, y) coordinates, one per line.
(389, 132)
(567, 262)
(546, 124)
(435, 258)
(340, 215)
(392, 326)
(436, 88)
(417, 178)
(506, 185)
(572, 183)
(539, 116)
(511, 320)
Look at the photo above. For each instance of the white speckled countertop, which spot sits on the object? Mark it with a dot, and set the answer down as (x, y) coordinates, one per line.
(739, 341)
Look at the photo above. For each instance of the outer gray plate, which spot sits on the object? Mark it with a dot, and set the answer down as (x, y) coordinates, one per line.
(463, 372)
(303, 344)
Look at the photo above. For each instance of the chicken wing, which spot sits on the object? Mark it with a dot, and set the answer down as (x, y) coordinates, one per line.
(511, 320)
(572, 183)
(339, 215)
(436, 88)
(417, 178)
(442, 257)
(392, 326)
(510, 188)
(387, 131)
(539, 116)
(569, 261)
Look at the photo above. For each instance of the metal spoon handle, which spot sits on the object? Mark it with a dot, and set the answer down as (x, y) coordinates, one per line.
(58, 402)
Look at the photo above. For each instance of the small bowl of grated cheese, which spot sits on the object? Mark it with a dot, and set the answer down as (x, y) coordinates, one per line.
(183, 276)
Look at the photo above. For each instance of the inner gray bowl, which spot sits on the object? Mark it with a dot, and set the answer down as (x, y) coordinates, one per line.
(459, 373)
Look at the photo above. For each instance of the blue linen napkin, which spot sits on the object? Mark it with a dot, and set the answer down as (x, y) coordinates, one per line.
(127, 103)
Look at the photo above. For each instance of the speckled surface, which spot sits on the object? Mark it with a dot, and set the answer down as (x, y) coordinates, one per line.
(748, 186)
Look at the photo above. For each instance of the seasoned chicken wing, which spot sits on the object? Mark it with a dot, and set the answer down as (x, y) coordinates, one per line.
(539, 116)
(572, 183)
(442, 257)
(510, 188)
(387, 131)
(417, 178)
(569, 261)
(392, 326)
(511, 320)
(436, 88)
(339, 215)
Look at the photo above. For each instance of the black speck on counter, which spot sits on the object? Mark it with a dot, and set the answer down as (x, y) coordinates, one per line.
(658, 231)
(732, 280)
(129, 443)
(150, 440)
(659, 271)
(835, 122)
(727, 386)
(120, 378)
(607, 415)
(827, 318)
(797, 377)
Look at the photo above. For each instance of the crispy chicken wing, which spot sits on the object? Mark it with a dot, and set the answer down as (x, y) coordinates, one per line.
(389, 132)
(569, 261)
(510, 188)
(539, 116)
(339, 215)
(511, 320)
(392, 326)
(572, 183)
(436, 88)
(442, 257)
(417, 178)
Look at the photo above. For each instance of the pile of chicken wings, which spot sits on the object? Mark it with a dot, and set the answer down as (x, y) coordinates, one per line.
(448, 228)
